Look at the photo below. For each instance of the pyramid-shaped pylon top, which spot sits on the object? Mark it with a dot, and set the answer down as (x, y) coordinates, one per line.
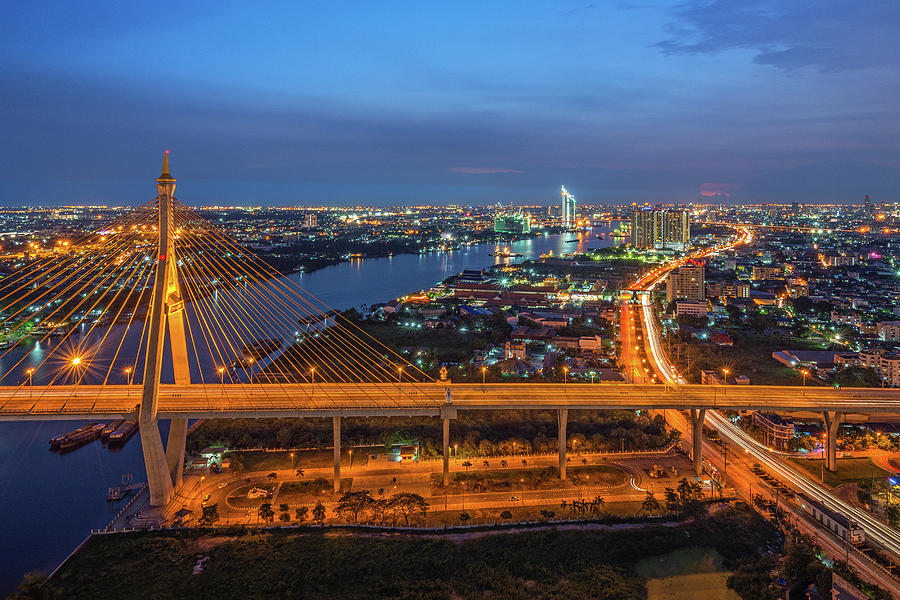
(165, 168)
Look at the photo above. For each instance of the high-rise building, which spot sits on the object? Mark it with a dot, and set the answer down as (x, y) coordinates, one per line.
(687, 283)
(568, 208)
(311, 220)
(661, 229)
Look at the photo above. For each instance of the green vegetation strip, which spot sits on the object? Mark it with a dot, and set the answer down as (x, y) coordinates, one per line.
(320, 564)
(849, 470)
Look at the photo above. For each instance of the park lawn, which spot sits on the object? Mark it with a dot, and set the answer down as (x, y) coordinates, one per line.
(261, 460)
(494, 480)
(850, 470)
(297, 491)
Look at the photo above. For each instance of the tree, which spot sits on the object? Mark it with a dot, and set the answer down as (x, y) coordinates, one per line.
(210, 514)
(464, 516)
(237, 465)
(318, 513)
(408, 505)
(650, 504)
(283, 507)
(688, 491)
(32, 586)
(857, 377)
(672, 500)
(285, 517)
(547, 514)
(299, 473)
(272, 476)
(266, 513)
(353, 503)
(301, 513)
(467, 465)
(505, 514)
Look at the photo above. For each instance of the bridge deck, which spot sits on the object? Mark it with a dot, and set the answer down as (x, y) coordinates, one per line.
(285, 400)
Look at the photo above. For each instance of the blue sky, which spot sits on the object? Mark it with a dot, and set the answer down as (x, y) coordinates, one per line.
(463, 102)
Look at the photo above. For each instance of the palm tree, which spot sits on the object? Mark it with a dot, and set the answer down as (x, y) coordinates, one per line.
(285, 517)
(505, 514)
(283, 507)
(300, 472)
(464, 516)
(597, 504)
(547, 514)
(504, 464)
(467, 465)
(650, 504)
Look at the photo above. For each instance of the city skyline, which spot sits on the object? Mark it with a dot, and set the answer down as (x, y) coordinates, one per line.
(667, 102)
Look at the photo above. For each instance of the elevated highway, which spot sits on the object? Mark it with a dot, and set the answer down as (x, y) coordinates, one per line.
(385, 399)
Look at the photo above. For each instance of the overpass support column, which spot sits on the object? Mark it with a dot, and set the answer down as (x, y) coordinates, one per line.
(448, 412)
(159, 479)
(336, 422)
(698, 415)
(832, 424)
(563, 420)
(175, 449)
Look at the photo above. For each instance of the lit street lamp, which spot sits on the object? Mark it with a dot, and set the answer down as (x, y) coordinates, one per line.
(483, 371)
(29, 372)
(565, 374)
(805, 373)
(312, 374)
(129, 374)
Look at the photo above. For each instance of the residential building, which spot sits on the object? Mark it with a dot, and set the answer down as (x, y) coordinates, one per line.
(761, 273)
(661, 229)
(777, 431)
(686, 283)
(888, 331)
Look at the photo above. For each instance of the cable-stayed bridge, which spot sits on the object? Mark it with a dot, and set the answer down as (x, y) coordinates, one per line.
(161, 316)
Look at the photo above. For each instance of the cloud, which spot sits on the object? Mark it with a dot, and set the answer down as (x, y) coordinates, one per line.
(835, 36)
(716, 190)
(482, 170)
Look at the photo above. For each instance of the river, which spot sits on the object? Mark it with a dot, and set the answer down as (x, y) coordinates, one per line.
(50, 501)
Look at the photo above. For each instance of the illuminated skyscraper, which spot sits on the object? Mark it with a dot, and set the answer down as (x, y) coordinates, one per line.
(568, 208)
(661, 228)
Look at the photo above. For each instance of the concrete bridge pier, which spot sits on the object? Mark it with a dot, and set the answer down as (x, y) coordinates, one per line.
(448, 412)
(159, 478)
(832, 424)
(562, 416)
(175, 449)
(336, 424)
(698, 416)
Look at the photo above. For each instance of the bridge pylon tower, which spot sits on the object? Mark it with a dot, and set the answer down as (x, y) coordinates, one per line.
(164, 465)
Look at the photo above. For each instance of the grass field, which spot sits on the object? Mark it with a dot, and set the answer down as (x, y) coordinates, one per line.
(522, 479)
(686, 574)
(849, 470)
